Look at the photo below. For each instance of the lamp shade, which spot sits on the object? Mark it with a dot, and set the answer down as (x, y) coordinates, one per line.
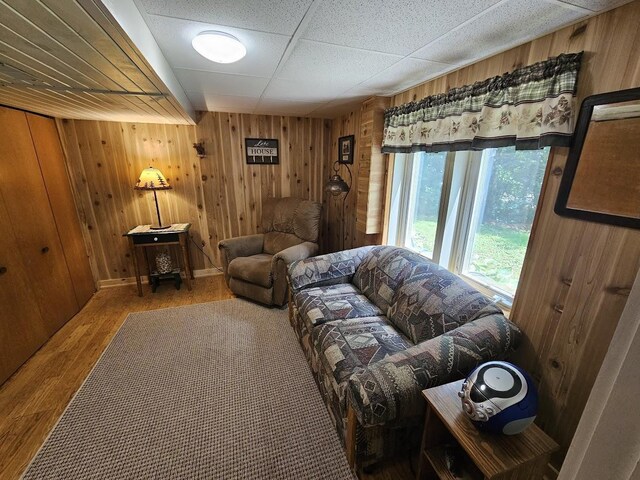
(336, 185)
(152, 179)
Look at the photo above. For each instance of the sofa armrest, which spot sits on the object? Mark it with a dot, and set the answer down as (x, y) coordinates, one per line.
(280, 265)
(245, 246)
(323, 269)
(389, 390)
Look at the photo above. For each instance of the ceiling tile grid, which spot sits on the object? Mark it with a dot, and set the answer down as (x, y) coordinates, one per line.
(314, 57)
(219, 83)
(223, 103)
(391, 26)
(281, 16)
(304, 57)
(404, 74)
(174, 37)
(497, 30)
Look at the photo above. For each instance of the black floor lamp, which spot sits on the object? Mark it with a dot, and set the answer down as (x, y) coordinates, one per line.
(337, 186)
(152, 179)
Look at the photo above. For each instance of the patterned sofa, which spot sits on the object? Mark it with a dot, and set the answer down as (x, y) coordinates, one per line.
(380, 324)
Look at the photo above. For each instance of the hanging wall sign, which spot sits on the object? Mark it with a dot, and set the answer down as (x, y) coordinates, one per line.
(260, 151)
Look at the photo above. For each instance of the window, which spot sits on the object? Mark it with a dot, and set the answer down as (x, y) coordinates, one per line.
(419, 195)
(469, 211)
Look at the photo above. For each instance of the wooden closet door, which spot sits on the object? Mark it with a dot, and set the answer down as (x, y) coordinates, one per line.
(22, 330)
(51, 159)
(30, 216)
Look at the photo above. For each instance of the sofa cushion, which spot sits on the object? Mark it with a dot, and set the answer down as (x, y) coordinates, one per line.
(319, 305)
(433, 301)
(344, 347)
(254, 269)
(275, 242)
(382, 272)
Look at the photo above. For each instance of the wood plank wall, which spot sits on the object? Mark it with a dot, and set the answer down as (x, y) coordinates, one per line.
(576, 275)
(219, 194)
(348, 124)
(373, 163)
(234, 191)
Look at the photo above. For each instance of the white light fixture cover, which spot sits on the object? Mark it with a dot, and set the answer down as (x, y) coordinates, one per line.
(219, 47)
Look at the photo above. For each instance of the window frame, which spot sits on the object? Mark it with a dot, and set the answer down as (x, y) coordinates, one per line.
(457, 215)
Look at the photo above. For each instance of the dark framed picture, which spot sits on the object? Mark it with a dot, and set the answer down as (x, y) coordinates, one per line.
(602, 174)
(261, 151)
(345, 149)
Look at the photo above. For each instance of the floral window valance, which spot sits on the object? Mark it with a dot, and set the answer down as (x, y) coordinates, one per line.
(531, 107)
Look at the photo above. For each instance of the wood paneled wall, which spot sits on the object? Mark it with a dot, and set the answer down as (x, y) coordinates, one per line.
(338, 208)
(219, 194)
(372, 168)
(364, 205)
(234, 191)
(576, 274)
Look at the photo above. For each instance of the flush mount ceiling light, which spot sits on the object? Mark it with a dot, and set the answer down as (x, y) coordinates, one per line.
(219, 47)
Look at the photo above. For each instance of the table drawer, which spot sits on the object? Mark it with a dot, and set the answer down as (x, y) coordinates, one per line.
(156, 238)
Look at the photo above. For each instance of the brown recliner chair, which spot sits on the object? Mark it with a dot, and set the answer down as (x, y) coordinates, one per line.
(255, 266)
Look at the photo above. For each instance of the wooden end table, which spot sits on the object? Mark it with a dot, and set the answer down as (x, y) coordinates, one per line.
(486, 455)
(144, 236)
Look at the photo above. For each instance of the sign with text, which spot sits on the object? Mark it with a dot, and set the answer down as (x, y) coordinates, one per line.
(260, 151)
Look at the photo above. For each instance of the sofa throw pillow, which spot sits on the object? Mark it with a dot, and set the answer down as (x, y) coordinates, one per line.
(382, 272)
(432, 301)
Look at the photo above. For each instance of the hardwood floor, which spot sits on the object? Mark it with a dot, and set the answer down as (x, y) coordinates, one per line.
(33, 399)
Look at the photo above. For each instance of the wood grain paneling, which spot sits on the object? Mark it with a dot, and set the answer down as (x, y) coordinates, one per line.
(52, 165)
(234, 191)
(337, 208)
(32, 221)
(71, 59)
(219, 194)
(105, 160)
(576, 275)
(364, 205)
(372, 169)
(22, 329)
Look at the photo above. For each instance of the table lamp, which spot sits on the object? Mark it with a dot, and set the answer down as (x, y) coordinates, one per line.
(153, 179)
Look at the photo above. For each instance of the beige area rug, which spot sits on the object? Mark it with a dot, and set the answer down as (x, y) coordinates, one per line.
(211, 391)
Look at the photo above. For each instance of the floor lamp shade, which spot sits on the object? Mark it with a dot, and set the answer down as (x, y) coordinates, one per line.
(153, 179)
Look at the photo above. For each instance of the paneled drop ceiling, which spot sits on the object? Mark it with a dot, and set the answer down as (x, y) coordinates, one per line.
(132, 60)
(320, 57)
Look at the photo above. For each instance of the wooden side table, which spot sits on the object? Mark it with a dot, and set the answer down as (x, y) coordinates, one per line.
(144, 236)
(484, 455)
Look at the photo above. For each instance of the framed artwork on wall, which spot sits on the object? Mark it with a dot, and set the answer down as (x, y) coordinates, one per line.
(601, 180)
(261, 151)
(345, 149)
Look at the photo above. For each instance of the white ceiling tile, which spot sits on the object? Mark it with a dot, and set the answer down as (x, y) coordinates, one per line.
(596, 5)
(391, 26)
(282, 16)
(220, 83)
(404, 74)
(333, 65)
(339, 107)
(282, 107)
(511, 24)
(222, 103)
(307, 89)
(174, 36)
